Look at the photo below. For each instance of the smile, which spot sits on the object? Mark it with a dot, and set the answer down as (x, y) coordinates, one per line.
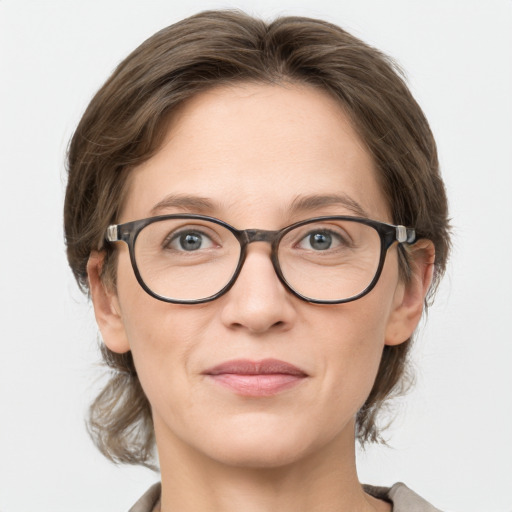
(256, 378)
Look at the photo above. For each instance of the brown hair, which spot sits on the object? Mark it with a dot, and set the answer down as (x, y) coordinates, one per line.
(124, 125)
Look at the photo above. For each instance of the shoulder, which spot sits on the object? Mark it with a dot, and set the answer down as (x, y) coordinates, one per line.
(402, 498)
(149, 500)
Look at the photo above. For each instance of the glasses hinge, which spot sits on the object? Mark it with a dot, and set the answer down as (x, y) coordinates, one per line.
(113, 233)
(401, 234)
(405, 235)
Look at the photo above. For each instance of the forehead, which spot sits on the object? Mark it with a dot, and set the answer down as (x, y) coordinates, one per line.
(254, 148)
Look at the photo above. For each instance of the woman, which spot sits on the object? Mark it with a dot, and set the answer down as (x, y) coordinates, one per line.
(257, 213)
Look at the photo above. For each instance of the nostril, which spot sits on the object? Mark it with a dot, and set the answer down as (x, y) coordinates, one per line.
(278, 325)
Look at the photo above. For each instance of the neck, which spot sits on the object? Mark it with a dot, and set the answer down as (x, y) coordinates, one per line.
(325, 480)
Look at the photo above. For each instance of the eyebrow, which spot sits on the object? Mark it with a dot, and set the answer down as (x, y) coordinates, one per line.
(301, 204)
(309, 203)
(186, 203)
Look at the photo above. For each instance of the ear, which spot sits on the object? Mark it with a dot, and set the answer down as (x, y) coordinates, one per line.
(106, 307)
(410, 295)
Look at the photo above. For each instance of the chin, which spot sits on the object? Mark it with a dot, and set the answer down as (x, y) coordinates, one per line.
(260, 453)
(267, 444)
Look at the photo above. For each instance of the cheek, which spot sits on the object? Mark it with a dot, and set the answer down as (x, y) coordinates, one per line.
(355, 348)
(160, 335)
(163, 341)
(353, 340)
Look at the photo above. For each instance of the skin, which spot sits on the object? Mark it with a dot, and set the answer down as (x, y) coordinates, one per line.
(252, 150)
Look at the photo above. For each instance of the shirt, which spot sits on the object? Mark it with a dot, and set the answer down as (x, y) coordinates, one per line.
(402, 498)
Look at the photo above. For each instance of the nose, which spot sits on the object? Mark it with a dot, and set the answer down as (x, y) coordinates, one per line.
(258, 302)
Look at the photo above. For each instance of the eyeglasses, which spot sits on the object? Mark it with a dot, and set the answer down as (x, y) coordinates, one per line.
(191, 259)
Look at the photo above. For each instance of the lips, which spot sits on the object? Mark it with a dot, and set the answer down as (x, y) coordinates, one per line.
(256, 378)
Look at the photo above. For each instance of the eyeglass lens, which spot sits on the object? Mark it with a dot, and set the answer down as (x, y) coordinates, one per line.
(192, 259)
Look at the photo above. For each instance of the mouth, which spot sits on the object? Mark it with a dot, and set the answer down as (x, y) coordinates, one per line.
(256, 378)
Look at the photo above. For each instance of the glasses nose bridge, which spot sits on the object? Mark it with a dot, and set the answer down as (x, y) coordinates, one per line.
(259, 235)
(248, 236)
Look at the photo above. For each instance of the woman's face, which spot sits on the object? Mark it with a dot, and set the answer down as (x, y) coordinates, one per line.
(246, 154)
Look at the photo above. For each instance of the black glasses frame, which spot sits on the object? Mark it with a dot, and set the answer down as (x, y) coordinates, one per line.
(388, 233)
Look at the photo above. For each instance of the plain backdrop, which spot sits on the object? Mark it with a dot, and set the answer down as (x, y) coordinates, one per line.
(452, 442)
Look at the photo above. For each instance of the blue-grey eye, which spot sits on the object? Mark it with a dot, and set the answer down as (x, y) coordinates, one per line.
(190, 241)
(319, 241)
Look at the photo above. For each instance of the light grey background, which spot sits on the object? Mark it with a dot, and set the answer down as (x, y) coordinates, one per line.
(452, 442)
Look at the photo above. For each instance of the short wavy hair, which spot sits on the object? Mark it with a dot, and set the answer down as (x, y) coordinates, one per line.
(126, 120)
